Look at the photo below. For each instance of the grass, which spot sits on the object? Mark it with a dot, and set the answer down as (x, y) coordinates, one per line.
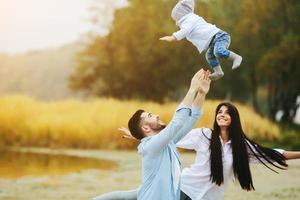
(93, 124)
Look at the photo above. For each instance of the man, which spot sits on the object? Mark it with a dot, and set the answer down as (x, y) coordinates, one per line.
(160, 159)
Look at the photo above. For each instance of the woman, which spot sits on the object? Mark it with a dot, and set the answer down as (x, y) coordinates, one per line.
(221, 154)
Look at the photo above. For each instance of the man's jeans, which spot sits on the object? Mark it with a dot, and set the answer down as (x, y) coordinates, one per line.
(218, 48)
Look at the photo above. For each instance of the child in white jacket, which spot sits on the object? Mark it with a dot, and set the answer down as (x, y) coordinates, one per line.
(204, 36)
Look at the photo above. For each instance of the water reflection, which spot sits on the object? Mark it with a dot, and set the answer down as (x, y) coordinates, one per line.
(17, 164)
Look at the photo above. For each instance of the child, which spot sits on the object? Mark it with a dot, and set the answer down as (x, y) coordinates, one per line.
(204, 36)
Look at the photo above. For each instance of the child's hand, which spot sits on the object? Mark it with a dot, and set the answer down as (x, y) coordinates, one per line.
(168, 38)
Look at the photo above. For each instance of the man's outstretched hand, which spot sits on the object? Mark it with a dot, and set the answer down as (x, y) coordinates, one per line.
(201, 81)
(126, 133)
(204, 82)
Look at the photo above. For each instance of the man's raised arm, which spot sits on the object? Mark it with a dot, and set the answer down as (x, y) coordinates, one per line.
(196, 107)
(159, 141)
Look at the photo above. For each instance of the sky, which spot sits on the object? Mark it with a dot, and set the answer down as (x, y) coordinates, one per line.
(36, 24)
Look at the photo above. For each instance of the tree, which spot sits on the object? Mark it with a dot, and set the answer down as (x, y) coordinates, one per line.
(130, 62)
(273, 24)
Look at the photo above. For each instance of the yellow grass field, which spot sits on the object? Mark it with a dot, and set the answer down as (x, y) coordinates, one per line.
(93, 123)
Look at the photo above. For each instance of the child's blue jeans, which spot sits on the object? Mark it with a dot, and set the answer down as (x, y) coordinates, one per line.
(218, 48)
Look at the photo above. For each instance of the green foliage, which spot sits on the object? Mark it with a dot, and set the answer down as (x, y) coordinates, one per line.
(291, 140)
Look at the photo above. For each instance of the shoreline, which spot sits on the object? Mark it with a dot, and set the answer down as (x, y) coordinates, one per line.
(88, 183)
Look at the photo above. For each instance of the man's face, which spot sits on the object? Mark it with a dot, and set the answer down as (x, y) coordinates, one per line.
(152, 121)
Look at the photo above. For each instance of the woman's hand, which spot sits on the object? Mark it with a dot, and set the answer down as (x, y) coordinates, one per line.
(168, 38)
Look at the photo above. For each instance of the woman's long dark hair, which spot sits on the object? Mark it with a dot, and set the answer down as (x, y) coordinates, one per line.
(241, 145)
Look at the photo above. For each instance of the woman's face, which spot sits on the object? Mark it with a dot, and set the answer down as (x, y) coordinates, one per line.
(223, 118)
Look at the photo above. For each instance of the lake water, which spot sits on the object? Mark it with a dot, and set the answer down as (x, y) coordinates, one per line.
(18, 164)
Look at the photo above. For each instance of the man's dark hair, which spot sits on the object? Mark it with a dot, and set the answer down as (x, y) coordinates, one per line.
(134, 125)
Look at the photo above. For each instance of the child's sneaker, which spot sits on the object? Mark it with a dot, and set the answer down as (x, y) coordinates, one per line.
(237, 59)
(216, 75)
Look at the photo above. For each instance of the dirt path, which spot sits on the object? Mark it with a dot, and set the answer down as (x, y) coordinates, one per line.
(88, 183)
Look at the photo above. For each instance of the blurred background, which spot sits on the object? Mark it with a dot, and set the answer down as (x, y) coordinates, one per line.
(73, 71)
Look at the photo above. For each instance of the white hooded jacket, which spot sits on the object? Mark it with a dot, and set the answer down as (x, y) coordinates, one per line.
(192, 27)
